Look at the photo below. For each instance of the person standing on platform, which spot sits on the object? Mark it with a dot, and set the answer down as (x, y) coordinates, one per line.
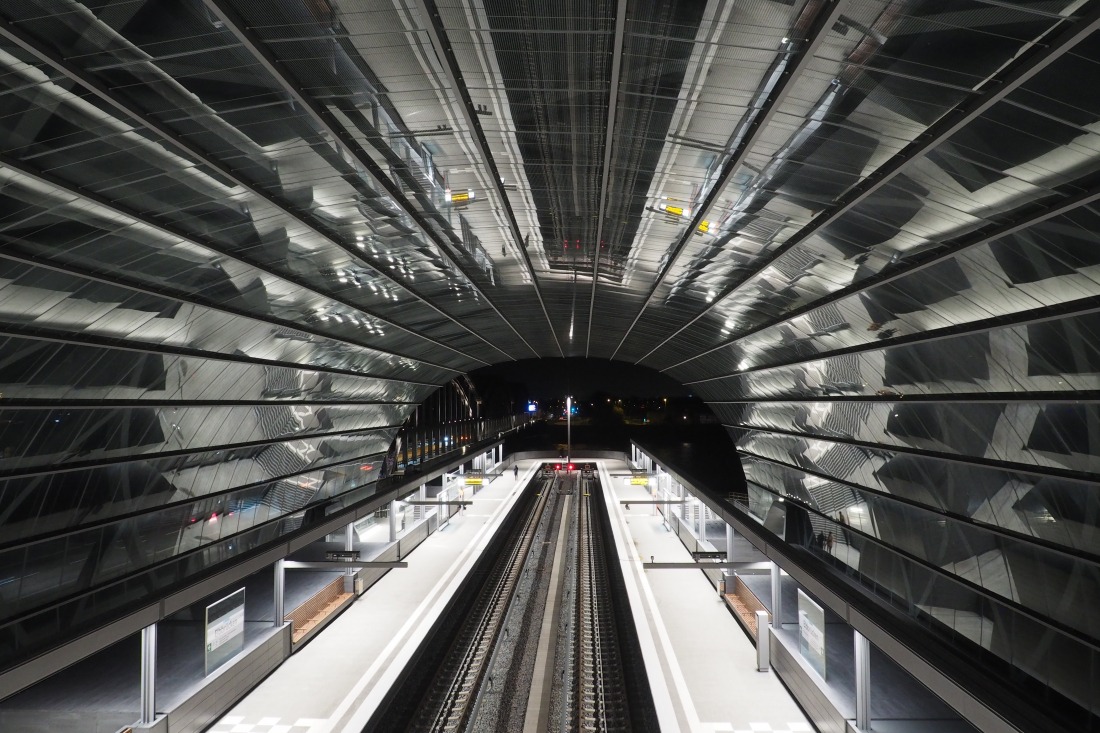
(515, 471)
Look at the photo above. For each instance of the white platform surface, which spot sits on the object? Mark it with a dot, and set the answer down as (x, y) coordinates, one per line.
(705, 680)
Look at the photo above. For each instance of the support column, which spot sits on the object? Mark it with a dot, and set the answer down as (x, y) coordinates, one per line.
(393, 521)
(763, 642)
(863, 681)
(280, 593)
(148, 674)
(444, 510)
(777, 596)
(349, 545)
(729, 543)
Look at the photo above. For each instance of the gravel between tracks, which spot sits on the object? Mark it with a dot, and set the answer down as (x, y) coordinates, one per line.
(502, 708)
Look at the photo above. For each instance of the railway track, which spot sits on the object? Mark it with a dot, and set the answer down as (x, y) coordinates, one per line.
(528, 648)
(600, 698)
(459, 679)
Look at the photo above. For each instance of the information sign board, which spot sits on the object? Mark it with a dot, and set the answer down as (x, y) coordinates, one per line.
(224, 630)
(811, 633)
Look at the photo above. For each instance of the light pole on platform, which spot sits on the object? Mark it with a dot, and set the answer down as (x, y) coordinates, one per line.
(568, 429)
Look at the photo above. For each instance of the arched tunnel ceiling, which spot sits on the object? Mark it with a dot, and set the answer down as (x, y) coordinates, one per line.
(864, 230)
(704, 188)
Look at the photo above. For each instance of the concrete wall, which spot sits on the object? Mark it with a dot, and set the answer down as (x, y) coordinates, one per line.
(819, 708)
(412, 539)
(222, 689)
(578, 455)
(54, 721)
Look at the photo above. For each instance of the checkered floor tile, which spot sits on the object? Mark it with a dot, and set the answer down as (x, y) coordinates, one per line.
(769, 728)
(237, 724)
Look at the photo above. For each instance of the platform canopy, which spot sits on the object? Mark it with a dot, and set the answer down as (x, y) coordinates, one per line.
(240, 241)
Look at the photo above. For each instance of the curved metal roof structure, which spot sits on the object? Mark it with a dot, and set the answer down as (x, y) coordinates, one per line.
(240, 241)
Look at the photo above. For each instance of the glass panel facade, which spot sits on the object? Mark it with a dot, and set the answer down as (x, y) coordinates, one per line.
(241, 242)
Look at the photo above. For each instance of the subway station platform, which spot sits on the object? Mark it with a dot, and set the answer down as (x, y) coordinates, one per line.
(701, 664)
(335, 681)
(706, 678)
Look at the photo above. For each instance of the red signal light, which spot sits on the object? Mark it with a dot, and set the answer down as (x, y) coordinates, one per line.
(570, 467)
(557, 466)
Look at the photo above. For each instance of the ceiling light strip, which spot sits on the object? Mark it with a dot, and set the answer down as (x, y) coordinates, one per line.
(255, 46)
(441, 44)
(173, 233)
(23, 40)
(827, 16)
(612, 111)
(961, 245)
(947, 125)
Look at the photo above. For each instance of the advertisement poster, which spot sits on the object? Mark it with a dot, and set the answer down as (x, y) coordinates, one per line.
(811, 633)
(224, 630)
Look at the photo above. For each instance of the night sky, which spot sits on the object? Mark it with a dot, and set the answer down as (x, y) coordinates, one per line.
(552, 378)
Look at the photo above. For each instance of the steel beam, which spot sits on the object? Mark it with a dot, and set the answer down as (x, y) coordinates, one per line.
(172, 232)
(123, 282)
(1036, 215)
(703, 565)
(966, 112)
(441, 44)
(102, 342)
(968, 460)
(279, 590)
(777, 595)
(341, 564)
(1079, 306)
(862, 652)
(16, 35)
(324, 120)
(612, 110)
(828, 16)
(148, 674)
